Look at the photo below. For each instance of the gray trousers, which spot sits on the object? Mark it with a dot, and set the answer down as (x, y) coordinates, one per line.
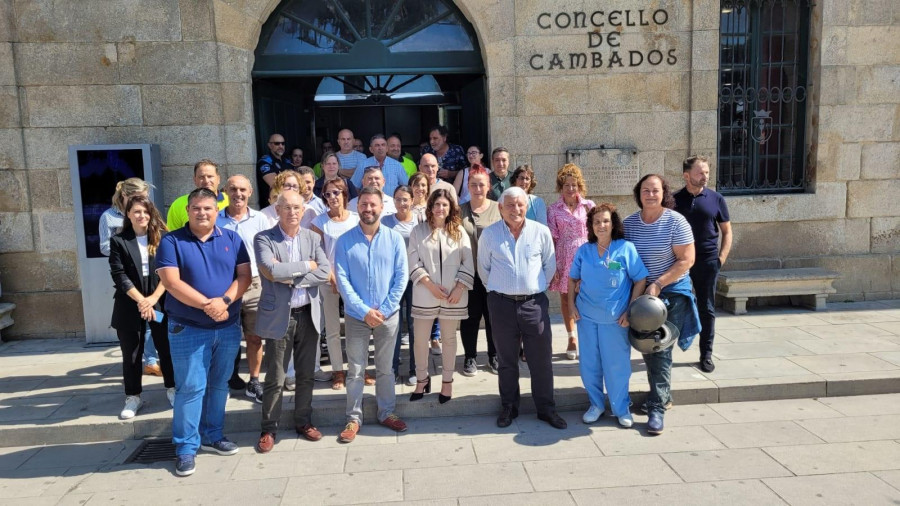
(385, 335)
(300, 342)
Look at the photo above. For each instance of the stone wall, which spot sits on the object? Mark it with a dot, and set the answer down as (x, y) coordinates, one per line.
(177, 73)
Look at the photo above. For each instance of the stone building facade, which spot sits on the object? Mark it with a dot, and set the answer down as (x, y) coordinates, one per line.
(178, 73)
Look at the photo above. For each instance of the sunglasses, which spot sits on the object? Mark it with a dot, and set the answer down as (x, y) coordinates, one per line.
(278, 143)
(331, 194)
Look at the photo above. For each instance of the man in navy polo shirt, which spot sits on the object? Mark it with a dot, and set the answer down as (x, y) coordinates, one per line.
(707, 214)
(205, 270)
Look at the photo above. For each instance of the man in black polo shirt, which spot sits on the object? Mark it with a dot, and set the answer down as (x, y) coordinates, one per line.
(269, 165)
(707, 213)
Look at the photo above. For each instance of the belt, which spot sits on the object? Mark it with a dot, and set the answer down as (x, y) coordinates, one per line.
(295, 310)
(517, 298)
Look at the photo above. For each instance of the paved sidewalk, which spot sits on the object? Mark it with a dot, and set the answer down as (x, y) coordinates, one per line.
(838, 450)
(59, 391)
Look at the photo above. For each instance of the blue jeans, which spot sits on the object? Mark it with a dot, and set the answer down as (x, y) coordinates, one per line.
(203, 360)
(405, 317)
(659, 365)
(150, 355)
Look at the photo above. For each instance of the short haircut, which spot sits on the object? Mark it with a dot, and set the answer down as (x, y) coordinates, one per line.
(618, 228)
(397, 135)
(280, 200)
(206, 161)
(571, 170)
(303, 170)
(369, 190)
(512, 192)
(524, 169)
(499, 149)
(668, 201)
(201, 193)
(441, 130)
(340, 185)
(403, 188)
(689, 162)
(329, 154)
(376, 137)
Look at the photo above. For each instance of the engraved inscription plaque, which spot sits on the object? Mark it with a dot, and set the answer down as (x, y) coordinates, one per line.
(607, 171)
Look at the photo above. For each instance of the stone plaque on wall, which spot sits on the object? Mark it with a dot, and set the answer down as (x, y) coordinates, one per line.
(607, 171)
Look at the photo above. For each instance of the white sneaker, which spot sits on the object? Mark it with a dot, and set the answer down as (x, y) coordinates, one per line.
(411, 381)
(404, 338)
(436, 348)
(592, 414)
(170, 394)
(626, 420)
(132, 404)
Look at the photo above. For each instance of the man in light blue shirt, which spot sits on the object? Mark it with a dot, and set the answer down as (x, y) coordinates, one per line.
(371, 271)
(516, 262)
(352, 161)
(394, 173)
(246, 222)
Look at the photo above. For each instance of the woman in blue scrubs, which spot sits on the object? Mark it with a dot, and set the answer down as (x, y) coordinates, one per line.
(606, 275)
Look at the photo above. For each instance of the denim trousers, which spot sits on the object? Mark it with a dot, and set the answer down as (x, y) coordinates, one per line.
(385, 335)
(703, 276)
(605, 359)
(203, 360)
(151, 356)
(659, 365)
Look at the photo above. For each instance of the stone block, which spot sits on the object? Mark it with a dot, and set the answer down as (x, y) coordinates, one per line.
(798, 238)
(834, 45)
(47, 64)
(704, 86)
(556, 134)
(196, 19)
(177, 181)
(835, 12)
(707, 14)
(234, 64)
(237, 102)
(499, 57)
(12, 156)
(881, 161)
(886, 235)
(878, 85)
(839, 84)
(64, 106)
(503, 132)
(857, 123)
(15, 229)
(234, 27)
(64, 181)
(493, 20)
(182, 104)
(829, 201)
(895, 275)
(871, 198)
(32, 309)
(30, 272)
(652, 131)
(873, 45)
(240, 144)
(870, 12)
(553, 95)
(9, 107)
(705, 50)
(13, 191)
(704, 129)
(860, 274)
(849, 165)
(609, 93)
(44, 189)
(57, 231)
(7, 21)
(7, 73)
(167, 62)
(97, 20)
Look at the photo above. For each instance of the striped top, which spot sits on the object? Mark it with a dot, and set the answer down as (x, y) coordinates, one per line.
(352, 160)
(654, 241)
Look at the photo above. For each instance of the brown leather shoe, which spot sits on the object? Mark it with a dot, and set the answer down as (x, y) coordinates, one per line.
(370, 380)
(394, 423)
(152, 370)
(349, 432)
(266, 442)
(309, 432)
(337, 381)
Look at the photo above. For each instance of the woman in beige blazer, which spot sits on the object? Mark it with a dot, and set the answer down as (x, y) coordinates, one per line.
(441, 270)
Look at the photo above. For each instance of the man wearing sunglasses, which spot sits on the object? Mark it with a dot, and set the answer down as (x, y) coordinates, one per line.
(270, 164)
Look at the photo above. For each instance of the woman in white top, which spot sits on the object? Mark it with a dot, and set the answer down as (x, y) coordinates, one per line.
(285, 180)
(331, 225)
(421, 188)
(113, 219)
(442, 271)
(461, 183)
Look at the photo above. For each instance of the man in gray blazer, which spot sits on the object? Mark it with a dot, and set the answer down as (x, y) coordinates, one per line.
(292, 265)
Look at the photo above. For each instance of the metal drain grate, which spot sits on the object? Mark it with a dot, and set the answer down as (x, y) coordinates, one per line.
(153, 450)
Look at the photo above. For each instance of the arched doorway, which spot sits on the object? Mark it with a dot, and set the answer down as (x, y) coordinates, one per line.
(369, 65)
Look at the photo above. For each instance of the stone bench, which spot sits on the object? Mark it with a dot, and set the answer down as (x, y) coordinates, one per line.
(813, 284)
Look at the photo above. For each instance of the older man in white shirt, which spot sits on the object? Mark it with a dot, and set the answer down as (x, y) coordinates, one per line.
(516, 261)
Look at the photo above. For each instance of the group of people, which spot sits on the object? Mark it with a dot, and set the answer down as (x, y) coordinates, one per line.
(430, 252)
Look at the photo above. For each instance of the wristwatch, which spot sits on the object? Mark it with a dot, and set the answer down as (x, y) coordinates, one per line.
(227, 300)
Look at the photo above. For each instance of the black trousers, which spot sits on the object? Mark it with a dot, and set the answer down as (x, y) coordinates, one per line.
(131, 342)
(300, 342)
(703, 276)
(468, 328)
(528, 321)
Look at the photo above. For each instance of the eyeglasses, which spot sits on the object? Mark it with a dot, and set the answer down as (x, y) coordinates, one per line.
(473, 152)
(331, 194)
(277, 143)
(291, 186)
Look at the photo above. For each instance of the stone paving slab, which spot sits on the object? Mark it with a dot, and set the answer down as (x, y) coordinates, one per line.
(768, 353)
(720, 465)
(732, 493)
(860, 489)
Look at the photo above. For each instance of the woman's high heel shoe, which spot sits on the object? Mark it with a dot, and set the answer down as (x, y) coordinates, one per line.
(443, 399)
(415, 396)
